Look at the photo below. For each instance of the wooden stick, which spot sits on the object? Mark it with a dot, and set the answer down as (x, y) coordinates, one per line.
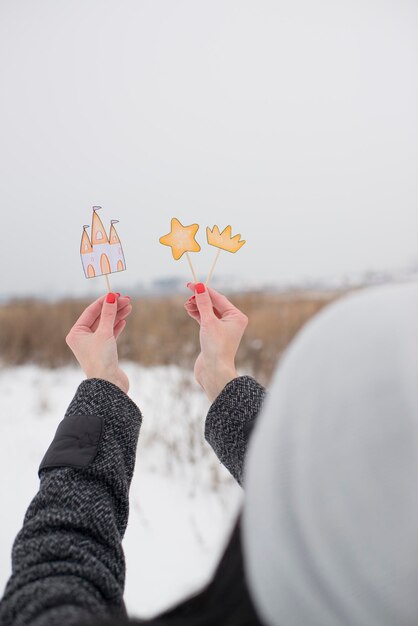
(108, 282)
(192, 268)
(212, 269)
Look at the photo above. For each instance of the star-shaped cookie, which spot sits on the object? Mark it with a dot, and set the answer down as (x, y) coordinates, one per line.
(181, 239)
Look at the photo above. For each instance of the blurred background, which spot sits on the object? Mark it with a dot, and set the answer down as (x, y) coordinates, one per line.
(295, 122)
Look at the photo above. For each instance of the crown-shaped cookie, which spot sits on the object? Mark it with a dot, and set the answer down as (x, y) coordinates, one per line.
(224, 240)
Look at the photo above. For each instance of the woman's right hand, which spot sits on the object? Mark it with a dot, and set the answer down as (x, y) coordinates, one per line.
(222, 327)
(93, 337)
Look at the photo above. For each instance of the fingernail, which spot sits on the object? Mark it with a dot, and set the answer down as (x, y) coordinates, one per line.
(200, 288)
(117, 294)
(111, 298)
(193, 298)
(129, 297)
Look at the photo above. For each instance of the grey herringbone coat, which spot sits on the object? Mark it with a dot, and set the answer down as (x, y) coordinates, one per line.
(68, 563)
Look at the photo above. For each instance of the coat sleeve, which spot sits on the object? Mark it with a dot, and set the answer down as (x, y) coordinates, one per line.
(67, 561)
(230, 421)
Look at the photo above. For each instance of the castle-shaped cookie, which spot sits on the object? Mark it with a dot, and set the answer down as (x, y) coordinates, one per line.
(101, 254)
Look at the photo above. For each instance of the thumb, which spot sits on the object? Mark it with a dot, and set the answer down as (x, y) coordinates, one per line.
(108, 315)
(204, 303)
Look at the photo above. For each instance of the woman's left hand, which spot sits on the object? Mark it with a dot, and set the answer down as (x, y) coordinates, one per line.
(93, 337)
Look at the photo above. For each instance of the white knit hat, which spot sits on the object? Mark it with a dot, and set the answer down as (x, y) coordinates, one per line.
(331, 510)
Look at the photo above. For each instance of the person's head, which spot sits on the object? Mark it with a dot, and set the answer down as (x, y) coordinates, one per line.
(331, 508)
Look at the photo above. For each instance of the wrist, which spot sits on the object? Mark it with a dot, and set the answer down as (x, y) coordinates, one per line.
(110, 376)
(216, 381)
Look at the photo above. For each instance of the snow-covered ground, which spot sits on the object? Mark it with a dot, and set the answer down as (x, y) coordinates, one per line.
(183, 502)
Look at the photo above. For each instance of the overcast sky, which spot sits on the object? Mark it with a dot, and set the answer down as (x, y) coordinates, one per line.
(295, 122)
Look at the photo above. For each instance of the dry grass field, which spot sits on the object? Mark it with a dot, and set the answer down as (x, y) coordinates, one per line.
(159, 331)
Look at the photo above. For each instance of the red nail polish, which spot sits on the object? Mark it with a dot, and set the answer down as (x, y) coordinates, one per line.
(129, 297)
(111, 298)
(193, 298)
(200, 288)
(117, 294)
